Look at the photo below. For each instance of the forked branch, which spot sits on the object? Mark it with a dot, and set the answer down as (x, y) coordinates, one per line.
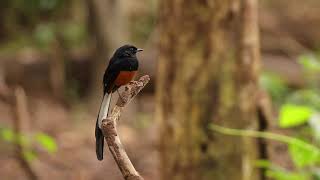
(110, 131)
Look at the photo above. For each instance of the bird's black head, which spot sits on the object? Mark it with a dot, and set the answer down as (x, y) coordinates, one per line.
(127, 51)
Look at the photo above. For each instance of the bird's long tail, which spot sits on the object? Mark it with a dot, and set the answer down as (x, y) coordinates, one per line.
(103, 113)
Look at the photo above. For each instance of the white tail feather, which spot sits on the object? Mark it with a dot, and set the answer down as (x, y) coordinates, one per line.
(104, 108)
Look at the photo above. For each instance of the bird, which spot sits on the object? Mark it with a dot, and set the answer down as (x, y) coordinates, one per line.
(121, 69)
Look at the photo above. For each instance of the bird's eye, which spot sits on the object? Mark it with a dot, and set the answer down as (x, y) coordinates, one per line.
(131, 49)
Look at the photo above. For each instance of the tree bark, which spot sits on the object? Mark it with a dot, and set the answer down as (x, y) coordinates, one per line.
(110, 131)
(57, 71)
(207, 73)
(106, 24)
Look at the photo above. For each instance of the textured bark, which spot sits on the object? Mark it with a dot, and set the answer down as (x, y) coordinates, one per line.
(208, 72)
(111, 134)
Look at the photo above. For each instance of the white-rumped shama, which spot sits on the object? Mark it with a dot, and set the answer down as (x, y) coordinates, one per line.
(121, 70)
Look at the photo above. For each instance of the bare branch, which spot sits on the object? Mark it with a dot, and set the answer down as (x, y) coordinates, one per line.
(110, 131)
(21, 123)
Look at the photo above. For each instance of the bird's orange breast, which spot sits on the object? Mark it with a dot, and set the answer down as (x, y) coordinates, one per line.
(124, 77)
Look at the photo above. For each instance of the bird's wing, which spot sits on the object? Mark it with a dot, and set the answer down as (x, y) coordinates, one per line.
(110, 76)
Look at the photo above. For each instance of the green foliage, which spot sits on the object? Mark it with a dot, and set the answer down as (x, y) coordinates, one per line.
(7, 135)
(30, 155)
(142, 23)
(306, 97)
(303, 153)
(302, 157)
(311, 66)
(310, 63)
(47, 142)
(274, 85)
(298, 107)
(43, 19)
(266, 135)
(34, 7)
(294, 115)
(316, 175)
(44, 34)
(73, 34)
(278, 173)
(285, 175)
(141, 28)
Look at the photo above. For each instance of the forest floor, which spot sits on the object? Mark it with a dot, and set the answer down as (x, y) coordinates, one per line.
(73, 130)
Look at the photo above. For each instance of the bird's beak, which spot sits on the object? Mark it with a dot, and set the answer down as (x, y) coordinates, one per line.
(138, 50)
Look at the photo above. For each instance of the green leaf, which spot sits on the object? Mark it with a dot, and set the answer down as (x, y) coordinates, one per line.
(284, 175)
(263, 163)
(275, 172)
(44, 34)
(315, 175)
(47, 142)
(307, 97)
(7, 135)
(310, 63)
(23, 140)
(274, 85)
(302, 157)
(29, 155)
(266, 164)
(11, 137)
(294, 115)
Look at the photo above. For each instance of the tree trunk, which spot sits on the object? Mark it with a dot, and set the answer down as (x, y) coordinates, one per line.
(57, 67)
(106, 21)
(207, 73)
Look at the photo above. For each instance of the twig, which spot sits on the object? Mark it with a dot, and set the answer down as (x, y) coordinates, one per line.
(266, 135)
(21, 123)
(110, 131)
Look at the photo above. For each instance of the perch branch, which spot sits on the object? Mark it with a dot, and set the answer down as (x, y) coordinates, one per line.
(110, 131)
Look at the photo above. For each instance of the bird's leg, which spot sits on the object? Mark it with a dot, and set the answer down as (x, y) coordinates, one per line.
(120, 95)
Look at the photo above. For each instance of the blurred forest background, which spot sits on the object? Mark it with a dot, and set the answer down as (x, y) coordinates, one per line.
(251, 68)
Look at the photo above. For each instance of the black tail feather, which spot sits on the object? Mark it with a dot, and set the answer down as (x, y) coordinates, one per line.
(103, 113)
(99, 142)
